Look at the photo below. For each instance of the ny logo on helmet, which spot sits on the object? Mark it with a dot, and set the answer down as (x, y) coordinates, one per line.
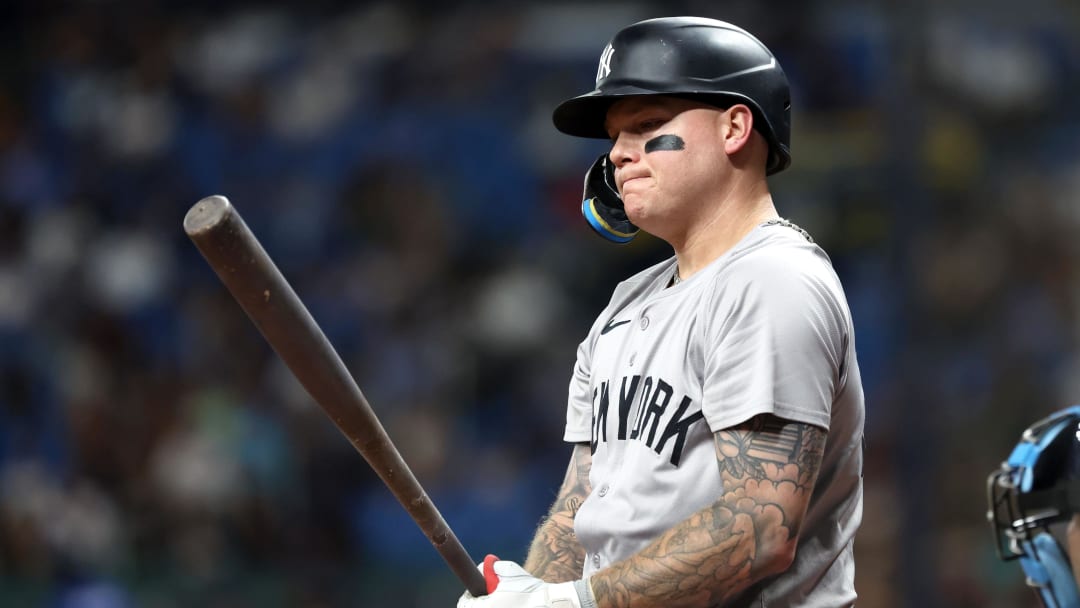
(605, 63)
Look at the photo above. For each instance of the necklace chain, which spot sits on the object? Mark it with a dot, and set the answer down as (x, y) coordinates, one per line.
(789, 224)
(676, 279)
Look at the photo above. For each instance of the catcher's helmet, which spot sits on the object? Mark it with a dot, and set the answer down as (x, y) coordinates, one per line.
(703, 59)
(1039, 485)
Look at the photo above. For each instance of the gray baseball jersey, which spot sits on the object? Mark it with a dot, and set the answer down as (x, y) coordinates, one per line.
(763, 329)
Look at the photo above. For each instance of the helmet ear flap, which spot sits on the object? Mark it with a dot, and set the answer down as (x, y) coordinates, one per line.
(602, 206)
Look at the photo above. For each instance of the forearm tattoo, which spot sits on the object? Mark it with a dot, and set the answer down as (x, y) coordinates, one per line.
(768, 467)
(556, 555)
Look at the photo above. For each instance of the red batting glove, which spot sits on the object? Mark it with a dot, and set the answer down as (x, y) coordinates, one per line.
(490, 577)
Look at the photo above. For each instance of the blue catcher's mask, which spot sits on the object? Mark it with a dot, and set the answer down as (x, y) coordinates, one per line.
(1037, 486)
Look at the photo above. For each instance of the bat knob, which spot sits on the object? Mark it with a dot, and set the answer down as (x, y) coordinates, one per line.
(207, 214)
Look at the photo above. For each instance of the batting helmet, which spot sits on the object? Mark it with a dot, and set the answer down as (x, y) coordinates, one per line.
(703, 59)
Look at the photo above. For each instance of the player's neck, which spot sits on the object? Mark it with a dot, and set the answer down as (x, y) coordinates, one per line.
(726, 225)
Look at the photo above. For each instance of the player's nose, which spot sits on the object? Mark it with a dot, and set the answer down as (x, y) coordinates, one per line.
(624, 151)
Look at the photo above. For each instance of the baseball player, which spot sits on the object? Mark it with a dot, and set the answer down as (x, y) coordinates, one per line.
(715, 409)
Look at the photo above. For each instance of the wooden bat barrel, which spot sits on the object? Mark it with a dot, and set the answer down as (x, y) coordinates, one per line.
(242, 264)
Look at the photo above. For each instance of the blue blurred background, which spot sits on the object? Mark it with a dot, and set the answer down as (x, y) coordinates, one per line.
(398, 162)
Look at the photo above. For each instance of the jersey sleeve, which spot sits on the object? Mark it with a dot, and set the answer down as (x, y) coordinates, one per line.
(775, 341)
(579, 401)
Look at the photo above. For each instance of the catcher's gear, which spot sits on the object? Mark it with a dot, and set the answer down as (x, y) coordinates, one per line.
(1037, 486)
(602, 206)
(516, 588)
(703, 59)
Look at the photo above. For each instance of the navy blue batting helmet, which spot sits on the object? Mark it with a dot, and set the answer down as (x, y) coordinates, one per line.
(703, 59)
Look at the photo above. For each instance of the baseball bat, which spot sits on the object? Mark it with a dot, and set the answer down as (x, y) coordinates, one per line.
(242, 264)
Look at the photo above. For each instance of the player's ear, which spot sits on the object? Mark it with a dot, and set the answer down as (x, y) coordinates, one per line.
(737, 123)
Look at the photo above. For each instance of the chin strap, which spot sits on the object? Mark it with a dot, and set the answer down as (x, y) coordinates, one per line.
(602, 206)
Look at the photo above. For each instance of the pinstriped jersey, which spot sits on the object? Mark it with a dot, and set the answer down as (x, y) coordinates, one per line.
(764, 329)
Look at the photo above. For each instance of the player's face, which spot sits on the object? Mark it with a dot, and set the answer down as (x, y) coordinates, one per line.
(669, 160)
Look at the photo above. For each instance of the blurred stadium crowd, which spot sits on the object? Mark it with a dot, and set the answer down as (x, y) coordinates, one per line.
(398, 162)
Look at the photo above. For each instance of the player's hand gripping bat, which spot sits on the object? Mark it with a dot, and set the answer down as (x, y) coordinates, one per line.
(259, 287)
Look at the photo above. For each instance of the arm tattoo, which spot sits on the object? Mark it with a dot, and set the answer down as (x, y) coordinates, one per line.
(555, 555)
(768, 466)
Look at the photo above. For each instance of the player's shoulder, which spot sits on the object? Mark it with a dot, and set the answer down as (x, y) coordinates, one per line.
(782, 275)
(777, 253)
(777, 264)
